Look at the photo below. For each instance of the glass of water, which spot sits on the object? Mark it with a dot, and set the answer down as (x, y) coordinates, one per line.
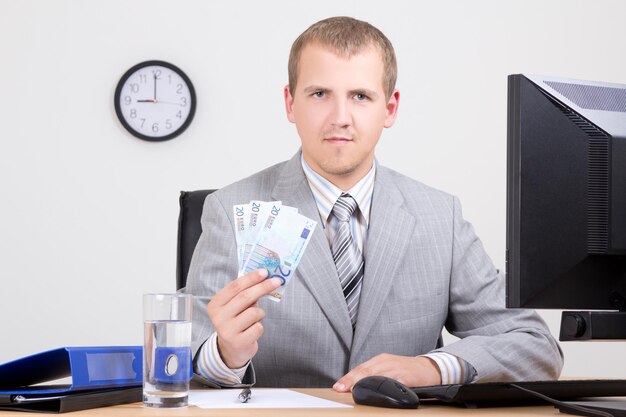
(167, 367)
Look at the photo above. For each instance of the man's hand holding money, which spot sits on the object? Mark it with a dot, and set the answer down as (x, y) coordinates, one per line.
(271, 239)
(237, 317)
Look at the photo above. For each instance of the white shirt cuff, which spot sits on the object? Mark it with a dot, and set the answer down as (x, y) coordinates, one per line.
(211, 366)
(454, 370)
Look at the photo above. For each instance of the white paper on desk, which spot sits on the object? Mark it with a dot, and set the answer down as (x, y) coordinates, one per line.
(261, 398)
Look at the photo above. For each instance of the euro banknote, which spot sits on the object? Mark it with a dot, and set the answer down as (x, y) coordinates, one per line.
(259, 212)
(278, 245)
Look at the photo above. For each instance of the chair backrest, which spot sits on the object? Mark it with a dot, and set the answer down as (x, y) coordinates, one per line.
(189, 230)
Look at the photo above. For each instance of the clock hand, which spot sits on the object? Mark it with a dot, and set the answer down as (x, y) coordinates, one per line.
(151, 100)
(155, 80)
(168, 102)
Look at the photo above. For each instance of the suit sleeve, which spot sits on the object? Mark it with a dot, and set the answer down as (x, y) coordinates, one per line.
(500, 343)
(213, 266)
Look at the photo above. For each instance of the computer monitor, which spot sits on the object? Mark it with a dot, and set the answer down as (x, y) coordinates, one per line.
(566, 202)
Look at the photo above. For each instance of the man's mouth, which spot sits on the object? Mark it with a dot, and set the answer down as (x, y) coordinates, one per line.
(338, 139)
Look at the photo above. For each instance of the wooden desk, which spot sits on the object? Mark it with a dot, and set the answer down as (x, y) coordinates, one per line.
(425, 410)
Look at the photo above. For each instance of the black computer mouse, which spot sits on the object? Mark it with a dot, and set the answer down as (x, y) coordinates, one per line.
(381, 391)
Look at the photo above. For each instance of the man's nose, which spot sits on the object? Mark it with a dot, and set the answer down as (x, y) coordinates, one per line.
(341, 116)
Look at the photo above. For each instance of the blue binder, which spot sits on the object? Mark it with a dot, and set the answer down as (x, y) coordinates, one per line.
(90, 368)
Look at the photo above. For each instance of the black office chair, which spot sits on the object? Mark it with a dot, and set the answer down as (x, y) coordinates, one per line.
(189, 230)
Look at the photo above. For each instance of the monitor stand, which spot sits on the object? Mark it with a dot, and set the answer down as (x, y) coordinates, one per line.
(589, 325)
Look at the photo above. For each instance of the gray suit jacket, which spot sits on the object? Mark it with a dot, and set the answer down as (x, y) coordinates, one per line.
(424, 269)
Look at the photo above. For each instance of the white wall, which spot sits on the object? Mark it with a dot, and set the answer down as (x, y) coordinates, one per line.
(88, 212)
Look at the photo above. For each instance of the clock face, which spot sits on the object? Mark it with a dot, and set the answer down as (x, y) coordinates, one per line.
(155, 101)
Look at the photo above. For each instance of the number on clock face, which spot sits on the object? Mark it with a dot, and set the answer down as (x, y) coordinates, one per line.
(155, 101)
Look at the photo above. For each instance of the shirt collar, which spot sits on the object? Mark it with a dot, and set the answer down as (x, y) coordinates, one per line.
(326, 194)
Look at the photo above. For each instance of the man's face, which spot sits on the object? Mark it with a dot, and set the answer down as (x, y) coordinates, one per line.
(340, 107)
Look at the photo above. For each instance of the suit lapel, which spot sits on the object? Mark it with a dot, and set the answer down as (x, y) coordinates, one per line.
(317, 268)
(389, 233)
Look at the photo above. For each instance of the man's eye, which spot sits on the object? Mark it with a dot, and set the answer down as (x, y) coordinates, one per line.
(360, 97)
(318, 94)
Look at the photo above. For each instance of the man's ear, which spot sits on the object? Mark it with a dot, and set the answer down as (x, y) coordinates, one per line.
(392, 108)
(288, 104)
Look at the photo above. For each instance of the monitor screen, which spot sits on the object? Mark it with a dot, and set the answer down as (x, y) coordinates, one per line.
(566, 194)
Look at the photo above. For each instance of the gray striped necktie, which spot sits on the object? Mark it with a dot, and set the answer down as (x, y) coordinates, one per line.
(347, 256)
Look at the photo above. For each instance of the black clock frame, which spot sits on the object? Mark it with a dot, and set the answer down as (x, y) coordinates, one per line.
(118, 93)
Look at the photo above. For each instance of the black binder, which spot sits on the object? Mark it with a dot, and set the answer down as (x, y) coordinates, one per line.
(77, 400)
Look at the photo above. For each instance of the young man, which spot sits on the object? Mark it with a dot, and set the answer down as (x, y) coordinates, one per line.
(409, 265)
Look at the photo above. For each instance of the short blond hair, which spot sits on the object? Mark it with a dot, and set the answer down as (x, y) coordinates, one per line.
(347, 37)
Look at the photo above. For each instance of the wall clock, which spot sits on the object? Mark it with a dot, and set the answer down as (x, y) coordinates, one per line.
(155, 101)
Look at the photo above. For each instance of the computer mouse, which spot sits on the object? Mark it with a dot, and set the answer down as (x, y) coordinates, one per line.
(381, 391)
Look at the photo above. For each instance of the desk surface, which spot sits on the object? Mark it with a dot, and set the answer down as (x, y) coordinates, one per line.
(425, 410)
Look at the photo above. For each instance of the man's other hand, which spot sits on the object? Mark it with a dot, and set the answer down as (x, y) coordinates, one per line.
(237, 317)
(411, 371)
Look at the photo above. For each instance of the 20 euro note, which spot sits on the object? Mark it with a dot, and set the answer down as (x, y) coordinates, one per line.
(241, 212)
(280, 246)
(259, 212)
(266, 211)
